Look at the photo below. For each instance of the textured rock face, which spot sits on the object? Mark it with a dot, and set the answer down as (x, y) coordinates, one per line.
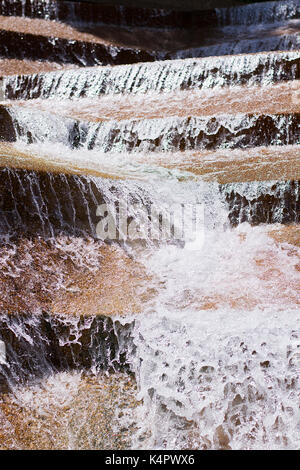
(20, 46)
(153, 135)
(71, 410)
(7, 132)
(206, 320)
(270, 203)
(37, 345)
(48, 204)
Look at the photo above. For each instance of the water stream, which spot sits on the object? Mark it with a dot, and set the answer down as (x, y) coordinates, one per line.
(174, 324)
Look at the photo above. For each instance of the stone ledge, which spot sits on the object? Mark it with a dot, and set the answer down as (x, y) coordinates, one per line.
(14, 45)
(47, 343)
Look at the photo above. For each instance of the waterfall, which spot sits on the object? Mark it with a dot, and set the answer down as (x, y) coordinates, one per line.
(166, 134)
(48, 204)
(47, 9)
(267, 202)
(269, 12)
(244, 30)
(159, 77)
(209, 383)
(40, 344)
(149, 261)
(243, 47)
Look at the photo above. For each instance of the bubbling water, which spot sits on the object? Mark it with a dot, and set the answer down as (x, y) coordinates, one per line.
(219, 379)
(70, 410)
(164, 76)
(217, 358)
(189, 340)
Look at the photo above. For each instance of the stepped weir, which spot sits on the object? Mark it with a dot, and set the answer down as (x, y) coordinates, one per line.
(149, 225)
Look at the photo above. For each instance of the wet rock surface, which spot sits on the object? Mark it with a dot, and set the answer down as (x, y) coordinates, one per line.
(18, 46)
(214, 72)
(70, 411)
(7, 131)
(205, 325)
(277, 203)
(37, 345)
(40, 203)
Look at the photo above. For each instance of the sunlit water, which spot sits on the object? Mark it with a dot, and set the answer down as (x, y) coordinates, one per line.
(216, 353)
(214, 345)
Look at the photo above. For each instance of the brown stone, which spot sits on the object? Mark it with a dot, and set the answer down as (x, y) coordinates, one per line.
(84, 415)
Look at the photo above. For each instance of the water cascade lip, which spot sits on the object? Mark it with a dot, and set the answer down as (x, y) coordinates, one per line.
(205, 102)
(120, 15)
(100, 43)
(38, 344)
(149, 135)
(244, 46)
(169, 76)
(263, 13)
(262, 202)
(224, 165)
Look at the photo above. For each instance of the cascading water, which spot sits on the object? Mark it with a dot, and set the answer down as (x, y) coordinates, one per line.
(269, 12)
(231, 386)
(161, 77)
(215, 360)
(243, 47)
(101, 36)
(147, 300)
(163, 134)
(42, 8)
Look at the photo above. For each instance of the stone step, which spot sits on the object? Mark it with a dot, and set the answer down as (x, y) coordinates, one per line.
(279, 163)
(149, 135)
(164, 76)
(97, 280)
(207, 102)
(10, 67)
(64, 401)
(38, 203)
(209, 13)
(18, 46)
(108, 40)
